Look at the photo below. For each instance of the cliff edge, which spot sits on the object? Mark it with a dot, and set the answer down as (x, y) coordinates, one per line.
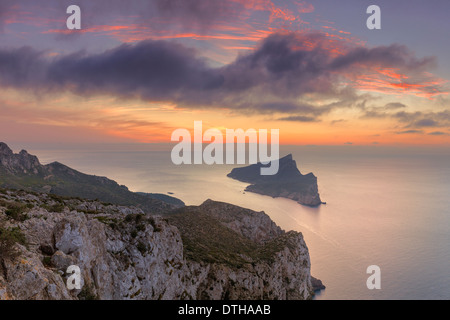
(212, 251)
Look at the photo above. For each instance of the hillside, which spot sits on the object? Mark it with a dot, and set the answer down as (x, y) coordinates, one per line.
(24, 171)
(213, 251)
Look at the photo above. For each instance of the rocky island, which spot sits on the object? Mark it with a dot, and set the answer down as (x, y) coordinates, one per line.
(289, 182)
(212, 251)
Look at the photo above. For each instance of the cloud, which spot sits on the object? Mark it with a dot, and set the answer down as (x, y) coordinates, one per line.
(299, 119)
(6, 12)
(425, 123)
(100, 120)
(410, 132)
(151, 70)
(333, 122)
(438, 133)
(277, 77)
(393, 56)
(414, 120)
(157, 15)
(424, 119)
(193, 11)
(394, 106)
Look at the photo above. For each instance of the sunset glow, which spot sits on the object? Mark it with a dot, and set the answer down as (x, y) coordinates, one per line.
(326, 83)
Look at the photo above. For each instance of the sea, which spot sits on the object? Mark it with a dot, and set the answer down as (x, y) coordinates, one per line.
(387, 206)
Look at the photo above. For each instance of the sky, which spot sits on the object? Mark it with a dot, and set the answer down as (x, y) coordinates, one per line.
(137, 70)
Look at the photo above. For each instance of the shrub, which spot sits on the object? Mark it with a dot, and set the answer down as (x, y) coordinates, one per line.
(7, 250)
(102, 219)
(138, 218)
(87, 293)
(8, 239)
(47, 261)
(152, 221)
(142, 247)
(57, 207)
(16, 211)
(140, 227)
(16, 235)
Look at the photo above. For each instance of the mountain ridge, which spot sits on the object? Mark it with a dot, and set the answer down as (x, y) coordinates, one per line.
(24, 171)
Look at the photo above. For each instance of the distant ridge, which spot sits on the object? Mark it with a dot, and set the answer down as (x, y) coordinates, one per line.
(289, 182)
(24, 171)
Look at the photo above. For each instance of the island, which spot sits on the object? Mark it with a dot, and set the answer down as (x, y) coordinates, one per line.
(288, 183)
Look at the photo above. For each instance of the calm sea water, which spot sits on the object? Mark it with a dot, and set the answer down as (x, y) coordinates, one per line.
(385, 206)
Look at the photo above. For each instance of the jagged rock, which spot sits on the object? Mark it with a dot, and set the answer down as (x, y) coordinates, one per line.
(28, 279)
(125, 254)
(288, 182)
(24, 171)
(317, 284)
(62, 261)
(18, 163)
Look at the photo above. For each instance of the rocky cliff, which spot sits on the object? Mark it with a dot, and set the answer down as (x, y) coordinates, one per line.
(289, 182)
(24, 171)
(212, 251)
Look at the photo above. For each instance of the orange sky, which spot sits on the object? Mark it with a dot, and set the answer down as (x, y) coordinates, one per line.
(376, 104)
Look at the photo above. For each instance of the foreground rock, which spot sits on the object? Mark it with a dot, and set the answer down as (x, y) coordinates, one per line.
(212, 251)
(289, 182)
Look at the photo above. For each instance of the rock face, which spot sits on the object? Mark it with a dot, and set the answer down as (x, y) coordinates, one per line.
(21, 163)
(124, 253)
(289, 182)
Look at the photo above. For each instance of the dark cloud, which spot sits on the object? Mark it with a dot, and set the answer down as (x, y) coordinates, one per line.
(398, 56)
(394, 106)
(333, 122)
(282, 106)
(276, 66)
(150, 70)
(22, 68)
(410, 132)
(299, 119)
(276, 77)
(438, 133)
(414, 120)
(374, 114)
(405, 116)
(426, 122)
(424, 119)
